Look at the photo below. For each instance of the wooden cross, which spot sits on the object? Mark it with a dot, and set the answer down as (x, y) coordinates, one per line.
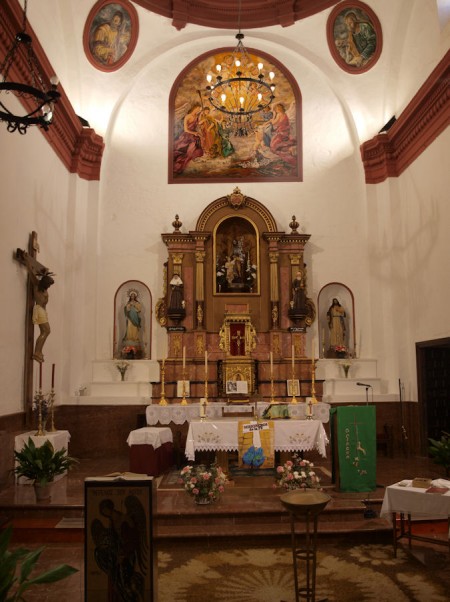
(35, 270)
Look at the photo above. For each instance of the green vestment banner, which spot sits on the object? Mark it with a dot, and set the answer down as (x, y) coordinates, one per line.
(354, 447)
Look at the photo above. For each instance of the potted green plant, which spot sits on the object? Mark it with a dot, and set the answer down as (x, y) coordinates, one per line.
(440, 451)
(41, 465)
(26, 559)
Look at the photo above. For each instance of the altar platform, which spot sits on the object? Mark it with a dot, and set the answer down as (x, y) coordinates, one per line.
(249, 508)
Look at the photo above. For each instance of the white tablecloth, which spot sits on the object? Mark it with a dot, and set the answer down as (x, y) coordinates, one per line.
(59, 440)
(179, 414)
(153, 436)
(222, 435)
(415, 501)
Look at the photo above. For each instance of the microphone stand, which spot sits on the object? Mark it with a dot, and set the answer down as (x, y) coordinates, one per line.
(367, 396)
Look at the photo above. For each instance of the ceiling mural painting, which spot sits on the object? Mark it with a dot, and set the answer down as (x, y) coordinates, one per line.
(206, 146)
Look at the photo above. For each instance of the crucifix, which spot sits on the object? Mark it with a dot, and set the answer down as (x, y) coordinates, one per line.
(39, 281)
(238, 338)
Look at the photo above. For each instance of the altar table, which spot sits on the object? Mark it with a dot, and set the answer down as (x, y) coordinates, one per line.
(179, 414)
(59, 440)
(151, 450)
(404, 499)
(222, 435)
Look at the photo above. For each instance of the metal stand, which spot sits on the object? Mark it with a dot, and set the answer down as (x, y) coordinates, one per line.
(306, 505)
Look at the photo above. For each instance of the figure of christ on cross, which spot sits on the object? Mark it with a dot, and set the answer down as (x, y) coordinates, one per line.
(238, 340)
(41, 279)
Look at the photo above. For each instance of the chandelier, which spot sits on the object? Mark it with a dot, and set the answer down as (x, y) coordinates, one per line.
(239, 88)
(40, 98)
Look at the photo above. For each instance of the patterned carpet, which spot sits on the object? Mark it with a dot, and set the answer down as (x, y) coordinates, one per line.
(345, 572)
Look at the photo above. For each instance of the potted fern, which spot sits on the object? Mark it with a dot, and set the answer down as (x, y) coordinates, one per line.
(440, 451)
(41, 465)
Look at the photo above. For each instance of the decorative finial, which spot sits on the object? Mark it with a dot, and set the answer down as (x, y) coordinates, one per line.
(177, 224)
(294, 225)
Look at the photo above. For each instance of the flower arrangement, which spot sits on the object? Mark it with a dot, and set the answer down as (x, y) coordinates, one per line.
(340, 349)
(122, 367)
(204, 484)
(250, 275)
(297, 474)
(129, 352)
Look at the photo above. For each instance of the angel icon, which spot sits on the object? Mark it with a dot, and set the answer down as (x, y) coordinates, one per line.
(121, 548)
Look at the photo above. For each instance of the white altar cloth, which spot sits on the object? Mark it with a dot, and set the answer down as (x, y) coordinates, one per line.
(415, 501)
(222, 435)
(179, 414)
(153, 436)
(59, 440)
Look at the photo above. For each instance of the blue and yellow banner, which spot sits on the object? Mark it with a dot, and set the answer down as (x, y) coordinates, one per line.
(256, 447)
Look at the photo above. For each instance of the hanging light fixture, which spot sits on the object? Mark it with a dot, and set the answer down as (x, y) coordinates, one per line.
(40, 97)
(239, 88)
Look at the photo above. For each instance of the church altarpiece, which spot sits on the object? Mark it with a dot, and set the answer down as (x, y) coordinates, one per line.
(236, 293)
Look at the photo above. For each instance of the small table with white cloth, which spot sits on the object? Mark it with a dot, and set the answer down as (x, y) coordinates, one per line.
(151, 450)
(414, 502)
(222, 435)
(59, 440)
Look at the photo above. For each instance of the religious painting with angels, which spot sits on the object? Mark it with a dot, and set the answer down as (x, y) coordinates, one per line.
(207, 145)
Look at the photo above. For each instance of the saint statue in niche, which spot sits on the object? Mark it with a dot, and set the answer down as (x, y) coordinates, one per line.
(131, 343)
(336, 323)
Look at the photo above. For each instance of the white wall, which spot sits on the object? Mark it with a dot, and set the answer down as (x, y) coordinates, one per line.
(39, 195)
(388, 243)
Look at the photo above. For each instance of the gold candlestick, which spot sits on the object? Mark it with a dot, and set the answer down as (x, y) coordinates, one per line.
(183, 401)
(163, 400)
(294, 399)
(272, 392)
(313, 382)
(52, 428)
(206, 377)
(39, 399)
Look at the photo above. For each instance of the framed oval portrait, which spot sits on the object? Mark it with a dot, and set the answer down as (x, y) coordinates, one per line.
(110, 34)
(354, 36)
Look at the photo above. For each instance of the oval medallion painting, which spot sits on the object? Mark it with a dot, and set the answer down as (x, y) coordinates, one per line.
(110, 34)
(354, 36)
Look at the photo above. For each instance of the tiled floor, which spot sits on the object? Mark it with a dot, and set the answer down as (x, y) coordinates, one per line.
(69, 497)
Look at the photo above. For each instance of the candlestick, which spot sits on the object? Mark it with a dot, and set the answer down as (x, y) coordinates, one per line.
(272, 399)
(294, 399)
(202, 408)
(163, 400)
(206, 377)
(53, 376)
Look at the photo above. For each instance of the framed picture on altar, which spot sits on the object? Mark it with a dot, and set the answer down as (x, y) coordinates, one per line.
(239, 387)
(183, 390)
(119, 537)
(293, 387)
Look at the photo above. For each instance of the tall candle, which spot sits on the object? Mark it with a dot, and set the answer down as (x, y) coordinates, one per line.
(40, 375)
(293, 356)
(184, 357)
(53, 376)
(206, 363)
(271, 363)
(312, 351)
